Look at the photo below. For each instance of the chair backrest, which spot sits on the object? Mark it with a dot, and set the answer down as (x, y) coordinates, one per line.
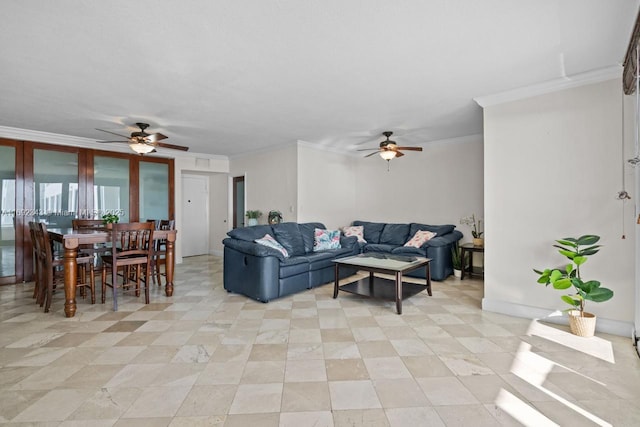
(43, 244)
(87, 224)
(167, 224)
(132, 239)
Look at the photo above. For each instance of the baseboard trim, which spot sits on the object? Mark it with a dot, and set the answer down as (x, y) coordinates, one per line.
(607, 326)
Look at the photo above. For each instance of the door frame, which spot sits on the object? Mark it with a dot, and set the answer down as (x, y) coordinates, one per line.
(234, 202)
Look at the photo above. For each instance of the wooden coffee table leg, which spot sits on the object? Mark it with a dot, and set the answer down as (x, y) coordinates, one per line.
(337, 280)
(399, 292)
(428, 277)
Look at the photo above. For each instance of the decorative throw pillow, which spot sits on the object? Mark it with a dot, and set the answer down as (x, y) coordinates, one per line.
(420, 238)
(269, 241)
(326, 239)
(355, 230)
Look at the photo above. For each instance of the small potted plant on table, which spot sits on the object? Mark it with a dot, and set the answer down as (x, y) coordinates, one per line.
(475, 229)
(577, 251)
(253, 217)
(109, 219)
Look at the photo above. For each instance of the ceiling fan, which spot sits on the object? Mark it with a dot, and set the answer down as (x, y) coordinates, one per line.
(389, 149)
(142, 142)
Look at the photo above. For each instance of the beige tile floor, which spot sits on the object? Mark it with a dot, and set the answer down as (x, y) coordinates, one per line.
(208, 358)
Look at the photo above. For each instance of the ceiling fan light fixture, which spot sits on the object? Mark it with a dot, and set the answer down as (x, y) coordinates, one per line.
(387, 154)
(141, 148)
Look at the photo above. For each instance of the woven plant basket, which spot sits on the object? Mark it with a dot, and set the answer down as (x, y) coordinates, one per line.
(582, 326)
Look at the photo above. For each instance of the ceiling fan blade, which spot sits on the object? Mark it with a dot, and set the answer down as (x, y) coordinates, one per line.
(113, 133)
(171, 146)
(369, 155)
(156, 137)
(409, 148)
(368, 149)
(399, 153)
(124, 142)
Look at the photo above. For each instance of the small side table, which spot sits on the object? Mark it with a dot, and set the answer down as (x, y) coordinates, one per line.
(470, 248)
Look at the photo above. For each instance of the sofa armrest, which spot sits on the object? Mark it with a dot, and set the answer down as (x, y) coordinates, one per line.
(252, 248)
(444, 240)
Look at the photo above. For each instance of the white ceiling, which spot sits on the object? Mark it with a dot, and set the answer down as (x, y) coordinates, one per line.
(230, 77)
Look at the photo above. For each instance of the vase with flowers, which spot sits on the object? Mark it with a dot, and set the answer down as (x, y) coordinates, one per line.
(476, 229)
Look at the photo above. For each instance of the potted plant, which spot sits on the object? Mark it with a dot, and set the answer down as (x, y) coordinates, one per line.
(475, 229)
(275, 217)
(253, 217)
(110, 219)
(456, 260)
(577, 251)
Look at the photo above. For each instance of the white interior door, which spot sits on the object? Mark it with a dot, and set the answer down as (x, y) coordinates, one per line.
(195, 215)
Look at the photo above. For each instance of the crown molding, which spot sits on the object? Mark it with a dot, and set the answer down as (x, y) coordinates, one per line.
(566, 82)
(76, 141)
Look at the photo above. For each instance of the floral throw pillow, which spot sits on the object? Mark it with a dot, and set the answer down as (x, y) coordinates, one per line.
(420, 238)
(269, 241)
(355, 230)
(326, 239)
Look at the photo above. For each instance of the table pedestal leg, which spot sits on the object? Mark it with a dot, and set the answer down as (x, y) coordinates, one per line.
(70, 280)
(399, 292)
(169, 266)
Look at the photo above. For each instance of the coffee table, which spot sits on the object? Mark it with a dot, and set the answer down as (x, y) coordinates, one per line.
(378, 287)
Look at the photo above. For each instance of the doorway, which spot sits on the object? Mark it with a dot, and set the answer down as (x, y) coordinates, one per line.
(195, 215)
(238, 201)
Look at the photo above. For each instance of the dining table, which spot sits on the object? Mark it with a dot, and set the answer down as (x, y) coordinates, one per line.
(72, 239)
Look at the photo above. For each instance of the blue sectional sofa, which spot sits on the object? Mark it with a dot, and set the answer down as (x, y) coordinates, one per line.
(390, 238)
(264, 273)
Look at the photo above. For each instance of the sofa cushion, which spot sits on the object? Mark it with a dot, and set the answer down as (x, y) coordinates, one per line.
(420, 238)
(440, 230)
(288, 235)
(250, 234)
(307, 230)
(355, 230)
(326, 239)
(372, 230)
(379, 247)
(409, 250)
(394, 234)
(270, 242)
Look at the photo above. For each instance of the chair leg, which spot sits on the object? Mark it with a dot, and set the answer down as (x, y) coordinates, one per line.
(104, 281)
(92, 284)
(114, 286)
(49, 292)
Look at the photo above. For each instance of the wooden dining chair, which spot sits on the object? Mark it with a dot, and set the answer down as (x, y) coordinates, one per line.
(51, 269)
(160, 251)
(36, 262)
(91, 224)
(131, 247)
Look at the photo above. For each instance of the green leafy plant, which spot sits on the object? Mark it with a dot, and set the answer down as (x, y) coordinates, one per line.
(110, 218)
(577, 251)
(253, 214)
(474, 224)
(456, 256)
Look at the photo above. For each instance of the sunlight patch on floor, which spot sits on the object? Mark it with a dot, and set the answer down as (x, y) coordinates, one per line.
(594, 346)
(534, 369)
(520, 411)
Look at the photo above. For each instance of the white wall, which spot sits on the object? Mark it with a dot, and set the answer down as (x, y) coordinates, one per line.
(439, 185)
(270, 181)
(326, 187)
(553, 166)
(218, 208)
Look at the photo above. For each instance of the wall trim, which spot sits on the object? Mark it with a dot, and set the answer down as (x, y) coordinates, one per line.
(607, 326)
(566, 82)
